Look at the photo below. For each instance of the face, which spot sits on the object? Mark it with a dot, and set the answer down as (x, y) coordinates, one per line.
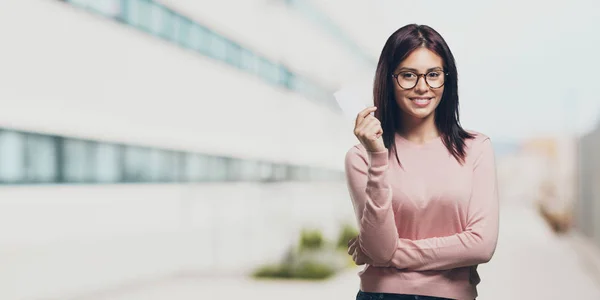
(420, 101)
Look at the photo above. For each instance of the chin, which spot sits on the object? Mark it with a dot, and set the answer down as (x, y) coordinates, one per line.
(421, 115)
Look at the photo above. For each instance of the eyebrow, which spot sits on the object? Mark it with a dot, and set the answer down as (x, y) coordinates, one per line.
(416, 71)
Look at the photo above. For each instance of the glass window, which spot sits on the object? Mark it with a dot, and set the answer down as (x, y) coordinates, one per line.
(196, 167)
(266, 171)
(108, 163)
(200, 39)
(269, 71)
(109, 8)
(41, 158)
(12, 146)
(234, 54)
(249, 61)
(139, 14)
(218, 169)
(81, 3)
(181, 28)
(234, 170)
(279, 172)
(250, 170)
(163, 166)
(77, 162)
(137, 167)
(284, 76)
(299, 173)
(162, 24)
(218, 47)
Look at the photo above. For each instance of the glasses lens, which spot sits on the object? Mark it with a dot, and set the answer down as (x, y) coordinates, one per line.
(407, 80)
(435, 79)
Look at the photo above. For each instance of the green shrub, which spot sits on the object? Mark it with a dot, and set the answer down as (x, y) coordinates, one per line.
(274, 271)
(307, 270)
(347, 233)
(313, 270)
(311, 239)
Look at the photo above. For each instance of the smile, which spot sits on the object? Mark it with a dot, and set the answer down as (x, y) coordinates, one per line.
(421, 102)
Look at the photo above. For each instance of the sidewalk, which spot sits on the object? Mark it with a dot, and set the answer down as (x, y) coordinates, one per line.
(530, 263)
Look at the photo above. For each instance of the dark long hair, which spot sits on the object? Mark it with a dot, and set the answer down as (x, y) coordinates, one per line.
(398, 46)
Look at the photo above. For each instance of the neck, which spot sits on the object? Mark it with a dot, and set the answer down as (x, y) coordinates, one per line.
(419, 130)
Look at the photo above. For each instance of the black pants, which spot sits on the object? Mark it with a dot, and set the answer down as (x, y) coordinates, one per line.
(384, 296)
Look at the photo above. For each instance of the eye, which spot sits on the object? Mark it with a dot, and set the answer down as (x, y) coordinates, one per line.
(434, 74)
(408, 75)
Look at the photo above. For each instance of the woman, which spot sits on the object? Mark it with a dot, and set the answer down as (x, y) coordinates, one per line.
(424, 189)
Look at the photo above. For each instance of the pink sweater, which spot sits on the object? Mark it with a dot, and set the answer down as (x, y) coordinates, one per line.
(428, 223)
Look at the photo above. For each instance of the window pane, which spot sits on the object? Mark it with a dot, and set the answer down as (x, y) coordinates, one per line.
(218, 47)
(200, 39)
(284, 77)
(109, 8)
(139, 14)
(279, 172)
(137, 167)
(41, 158)
(196, 168)
(234, 169)
(171, 167)
(250, 170)
(163, 166)
(161, 20)
(249, 61)
(107, 163)
(77, 160)
(234, 54)
(81, 3)
(266, 171)
(12, 167)
(218, 169)
(182, 31)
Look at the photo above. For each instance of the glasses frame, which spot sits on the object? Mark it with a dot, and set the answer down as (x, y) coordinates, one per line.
(419, 75)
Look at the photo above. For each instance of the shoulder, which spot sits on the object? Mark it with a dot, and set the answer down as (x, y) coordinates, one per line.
(479, 144)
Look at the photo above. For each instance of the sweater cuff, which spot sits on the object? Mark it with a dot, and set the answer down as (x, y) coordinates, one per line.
(378, 159)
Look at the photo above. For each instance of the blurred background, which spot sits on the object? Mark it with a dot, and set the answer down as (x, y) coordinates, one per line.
(193, 149)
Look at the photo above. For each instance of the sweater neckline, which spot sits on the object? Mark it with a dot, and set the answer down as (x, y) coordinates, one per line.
(404, 142)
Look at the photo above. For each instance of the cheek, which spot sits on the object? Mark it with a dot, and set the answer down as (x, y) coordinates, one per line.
(438, 95)
(400, 95)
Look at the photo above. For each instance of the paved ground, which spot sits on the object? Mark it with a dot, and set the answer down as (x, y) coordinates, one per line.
(530, 263)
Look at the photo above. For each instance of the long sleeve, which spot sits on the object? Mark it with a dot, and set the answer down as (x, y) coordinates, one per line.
(371, 194)
(477, 243)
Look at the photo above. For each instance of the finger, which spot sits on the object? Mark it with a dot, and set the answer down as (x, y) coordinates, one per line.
(360, 261)
(352, 248)
(366, 124)
(351, 241)
(373, 129)
(361, 258)
(362, 114)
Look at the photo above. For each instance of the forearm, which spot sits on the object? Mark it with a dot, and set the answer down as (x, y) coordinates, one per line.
(372, 198)
(443, 253)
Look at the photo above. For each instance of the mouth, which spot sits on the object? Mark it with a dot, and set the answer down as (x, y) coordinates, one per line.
(421, 101)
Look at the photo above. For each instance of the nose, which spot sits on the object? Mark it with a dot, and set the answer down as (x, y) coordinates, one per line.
(421, 86)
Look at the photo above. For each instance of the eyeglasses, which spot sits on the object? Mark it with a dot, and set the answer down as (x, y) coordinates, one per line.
(408, 80)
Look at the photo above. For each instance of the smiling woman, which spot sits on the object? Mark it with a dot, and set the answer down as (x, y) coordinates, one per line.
(428, 210)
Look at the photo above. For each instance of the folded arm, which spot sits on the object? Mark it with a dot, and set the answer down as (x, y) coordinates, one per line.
(477, 243)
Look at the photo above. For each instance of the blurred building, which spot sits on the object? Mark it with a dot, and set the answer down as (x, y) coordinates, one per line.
(142, 138)
(587, 210)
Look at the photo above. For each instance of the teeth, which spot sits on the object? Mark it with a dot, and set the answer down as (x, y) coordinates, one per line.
(421, 100)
